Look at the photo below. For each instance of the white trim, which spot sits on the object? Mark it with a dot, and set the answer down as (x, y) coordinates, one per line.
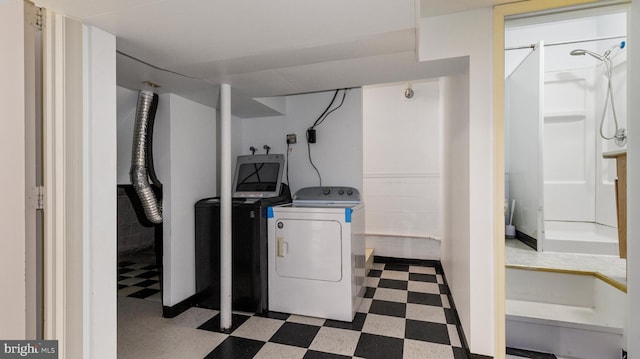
(62, 117)
(417, 236)
(632, 328)
(53, 148)
(72, 241)
(400, 175)
(86, 197)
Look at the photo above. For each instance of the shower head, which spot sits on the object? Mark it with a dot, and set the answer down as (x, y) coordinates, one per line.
(602, 57)
(579, 52)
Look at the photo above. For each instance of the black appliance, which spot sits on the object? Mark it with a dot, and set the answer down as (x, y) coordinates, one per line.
(249, 237)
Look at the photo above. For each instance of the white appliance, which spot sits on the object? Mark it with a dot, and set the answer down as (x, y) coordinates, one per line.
(317, 253)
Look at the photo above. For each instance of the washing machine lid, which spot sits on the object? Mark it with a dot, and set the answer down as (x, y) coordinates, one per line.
(258, 176)
(337, 196)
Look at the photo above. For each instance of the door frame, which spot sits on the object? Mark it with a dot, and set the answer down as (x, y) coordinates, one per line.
(500, 12)
(63, 169)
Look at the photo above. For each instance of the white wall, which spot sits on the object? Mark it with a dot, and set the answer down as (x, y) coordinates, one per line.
(401, 169)
(12, 177)
(127, 100)
(470, 34)
(338, 151)
(632, 328)
(455, 253)
(185, 151)
(99, 186)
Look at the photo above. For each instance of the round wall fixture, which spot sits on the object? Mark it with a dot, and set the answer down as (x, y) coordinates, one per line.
(408, 93)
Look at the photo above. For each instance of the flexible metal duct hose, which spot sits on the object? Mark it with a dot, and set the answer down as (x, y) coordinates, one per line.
(138, 172)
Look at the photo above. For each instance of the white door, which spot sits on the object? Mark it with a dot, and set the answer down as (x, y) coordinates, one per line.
(569, 146)
(524, 101)
(308, 249)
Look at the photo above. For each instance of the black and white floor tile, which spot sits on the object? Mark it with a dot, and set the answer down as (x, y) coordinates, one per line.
(138, 280)
(405, 314)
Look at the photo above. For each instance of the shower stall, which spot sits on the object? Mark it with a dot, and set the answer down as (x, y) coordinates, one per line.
(565, 108)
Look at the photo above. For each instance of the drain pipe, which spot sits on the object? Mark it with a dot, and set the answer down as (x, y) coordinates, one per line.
(138, 172)
(225, 207)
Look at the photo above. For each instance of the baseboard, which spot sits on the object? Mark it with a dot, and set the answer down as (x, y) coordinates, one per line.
(452, 304)
(410, 261)
(404, 247)
(527, 239)
(463, 338)
(479, 356)
(177, 309)
(530, 354)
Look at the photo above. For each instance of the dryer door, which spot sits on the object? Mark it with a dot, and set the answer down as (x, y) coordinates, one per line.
(309, 249)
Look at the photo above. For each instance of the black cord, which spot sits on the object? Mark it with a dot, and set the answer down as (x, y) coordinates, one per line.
(310, 161)
(287, 165)
(344, 94)
(256, 172)
(326, 109)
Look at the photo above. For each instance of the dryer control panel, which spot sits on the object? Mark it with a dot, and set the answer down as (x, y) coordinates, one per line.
(332, 194)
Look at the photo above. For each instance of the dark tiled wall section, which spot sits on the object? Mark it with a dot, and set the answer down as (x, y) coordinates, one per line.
(132, 235)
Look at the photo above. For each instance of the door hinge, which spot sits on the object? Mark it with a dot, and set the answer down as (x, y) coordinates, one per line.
(34, 16)
(40, 18)
(40, 197)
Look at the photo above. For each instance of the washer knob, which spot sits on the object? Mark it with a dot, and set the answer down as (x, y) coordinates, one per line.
(341, 191)
(326, 191)
(349, 192)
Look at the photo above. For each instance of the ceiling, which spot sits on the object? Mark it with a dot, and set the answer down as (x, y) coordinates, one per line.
(264, 48)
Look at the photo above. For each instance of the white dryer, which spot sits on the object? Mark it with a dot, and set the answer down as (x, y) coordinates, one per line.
(317, 253)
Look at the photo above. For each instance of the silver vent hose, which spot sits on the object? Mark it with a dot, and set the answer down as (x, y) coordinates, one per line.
(138, 172)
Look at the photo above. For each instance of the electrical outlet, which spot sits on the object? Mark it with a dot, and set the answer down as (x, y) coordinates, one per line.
(291, 138)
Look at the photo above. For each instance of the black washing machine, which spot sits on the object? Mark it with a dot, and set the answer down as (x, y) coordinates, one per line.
(249, 251)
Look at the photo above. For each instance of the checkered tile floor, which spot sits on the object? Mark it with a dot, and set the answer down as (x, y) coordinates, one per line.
(405, 314)
(138, 280)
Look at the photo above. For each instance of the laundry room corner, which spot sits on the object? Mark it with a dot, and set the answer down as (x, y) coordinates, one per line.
(380, 142)
(337, 152)
(401, 181)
